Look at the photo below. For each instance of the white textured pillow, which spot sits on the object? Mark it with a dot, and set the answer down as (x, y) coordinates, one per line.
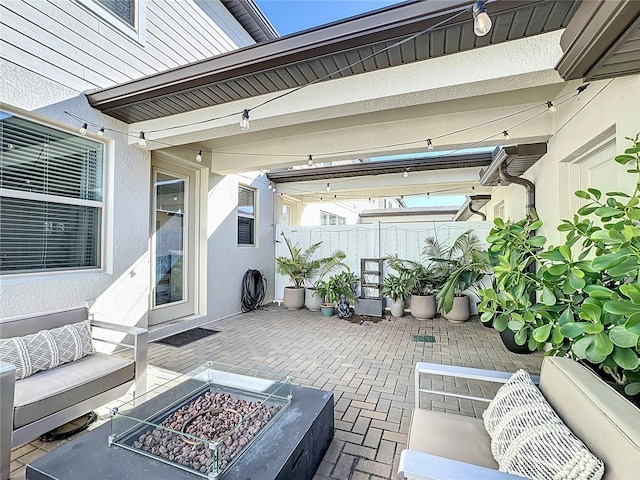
(529, 439)
(47, 348)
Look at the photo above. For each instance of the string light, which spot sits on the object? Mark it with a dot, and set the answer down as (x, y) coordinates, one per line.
(429, 141)
(199, 156)
(429, 144)
(552, 107)
(142, 142)
(275, 189)
(321, 199)
(310, 162)
(244, 121)
(100, 132)
(83, 129)
(506, 134)
(328, 187)
(481, 21)
(270, 186)
(406, 173)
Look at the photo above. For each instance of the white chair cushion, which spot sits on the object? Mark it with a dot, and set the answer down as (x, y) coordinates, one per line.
(529, 439)
(47, 348)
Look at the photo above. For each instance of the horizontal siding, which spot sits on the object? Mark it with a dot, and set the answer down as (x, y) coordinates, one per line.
(68, 43)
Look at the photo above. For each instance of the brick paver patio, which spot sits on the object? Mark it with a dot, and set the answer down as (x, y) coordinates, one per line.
(368, 366)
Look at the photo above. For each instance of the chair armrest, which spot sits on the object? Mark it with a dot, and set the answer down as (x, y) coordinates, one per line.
(140, 348)
(421, 466)
(460, 372)
(7, 390)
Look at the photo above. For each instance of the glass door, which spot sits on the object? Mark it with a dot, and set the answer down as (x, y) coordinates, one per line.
(172, 272)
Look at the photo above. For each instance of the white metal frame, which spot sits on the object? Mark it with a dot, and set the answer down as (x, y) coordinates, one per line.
(421, 466)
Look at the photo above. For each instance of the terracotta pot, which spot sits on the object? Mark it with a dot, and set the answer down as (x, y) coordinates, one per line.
(460, 312)
(311, 301)
(293, 298)
(397, 308)
(423, 307)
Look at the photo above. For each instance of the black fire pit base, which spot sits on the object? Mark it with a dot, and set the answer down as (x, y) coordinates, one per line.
(290, 449)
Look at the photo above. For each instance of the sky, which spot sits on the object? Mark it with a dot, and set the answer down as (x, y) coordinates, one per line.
(289, 16)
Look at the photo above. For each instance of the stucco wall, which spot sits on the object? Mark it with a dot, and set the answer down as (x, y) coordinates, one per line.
(121, 292)
(608, 109)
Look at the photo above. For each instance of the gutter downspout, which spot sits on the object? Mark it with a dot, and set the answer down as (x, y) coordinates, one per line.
(477, 212)
(528, 185)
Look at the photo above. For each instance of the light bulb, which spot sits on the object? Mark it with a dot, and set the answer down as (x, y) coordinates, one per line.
(83, 129)
(310, 162)
(429, 144)
(481, 21)
(552, 107)
(244, 122)
(274, 189)
(142, 142)
(100, 132)
(199, 156)
(328, 187)
(270, 186)
(506, 134)
(405, 174)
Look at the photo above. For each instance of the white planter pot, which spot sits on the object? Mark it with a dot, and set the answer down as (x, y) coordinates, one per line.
(311, 301)
(397, 308)
(293, 298)
(423, 307)
(460, 312)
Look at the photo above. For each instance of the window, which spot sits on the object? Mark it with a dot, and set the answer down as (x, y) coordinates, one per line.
(123, 9)
(51, 198)
(498, 210)
(246, 216)
(330, 219)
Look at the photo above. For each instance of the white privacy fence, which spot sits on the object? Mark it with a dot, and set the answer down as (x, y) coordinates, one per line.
(374, 240)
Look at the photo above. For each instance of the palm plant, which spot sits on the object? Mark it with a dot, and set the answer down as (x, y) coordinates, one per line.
(419, 277)
(458, 267)
(298, 267)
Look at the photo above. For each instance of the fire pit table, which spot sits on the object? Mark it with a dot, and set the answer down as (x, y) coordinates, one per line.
(216, 422)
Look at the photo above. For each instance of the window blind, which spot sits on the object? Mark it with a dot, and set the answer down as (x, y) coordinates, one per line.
(246, 216)
(124, 9)
(51, 198)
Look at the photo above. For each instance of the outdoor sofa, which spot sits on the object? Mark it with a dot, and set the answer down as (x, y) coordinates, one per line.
(452, 446)
(45, 400)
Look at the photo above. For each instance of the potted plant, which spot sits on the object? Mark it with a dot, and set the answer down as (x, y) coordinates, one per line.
(585, 306)
(296, 267)
(396, 287)
(462, 266)
(344, 283)
(318, 269)
(422, 302)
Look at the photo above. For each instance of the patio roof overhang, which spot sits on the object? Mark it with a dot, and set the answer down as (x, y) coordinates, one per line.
(309, 56)
(602, 41)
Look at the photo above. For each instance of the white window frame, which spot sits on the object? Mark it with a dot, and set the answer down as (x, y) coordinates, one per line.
(106, 216)
(138, 31)
(329, 216)
(254, 217)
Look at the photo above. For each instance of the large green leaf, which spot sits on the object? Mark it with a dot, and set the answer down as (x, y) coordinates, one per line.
(633, 324)
(566, 316)
(607, 212)
(582, 345)
(537, 241)
(541, 334)
(621, 307)
(625, 357)
(606, 261)
(573, 329)
(622, 337)
(602, 344)
(521, 336)
(631, 290)
(576, 282)
(598, 291)
(591, 312)
(548, 298)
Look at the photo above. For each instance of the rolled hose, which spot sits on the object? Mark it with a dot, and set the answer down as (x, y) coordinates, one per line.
(254, 288)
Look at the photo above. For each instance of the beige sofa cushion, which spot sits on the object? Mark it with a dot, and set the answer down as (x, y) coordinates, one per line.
(50, 391)
(604, 420)
(451, 436)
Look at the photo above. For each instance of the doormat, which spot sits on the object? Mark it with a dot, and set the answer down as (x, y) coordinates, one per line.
(189, 336)
(423, 338)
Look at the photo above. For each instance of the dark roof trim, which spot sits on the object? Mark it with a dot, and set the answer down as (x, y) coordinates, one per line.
(381, 168)
(596, 27)
(252, 19)
(518, 158)
(473, 202)
(335, 37)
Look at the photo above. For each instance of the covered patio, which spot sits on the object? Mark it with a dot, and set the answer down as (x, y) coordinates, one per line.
(369, 367)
